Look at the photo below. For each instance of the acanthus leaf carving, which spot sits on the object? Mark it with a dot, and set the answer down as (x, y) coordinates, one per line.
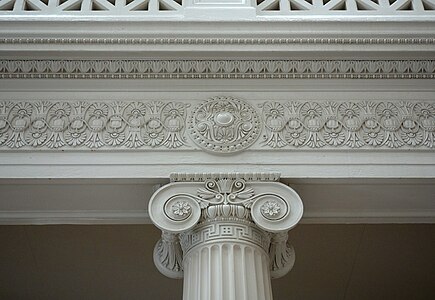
(281, 254)
(168, 255)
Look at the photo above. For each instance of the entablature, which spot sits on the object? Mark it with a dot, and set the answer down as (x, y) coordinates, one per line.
(322, 90)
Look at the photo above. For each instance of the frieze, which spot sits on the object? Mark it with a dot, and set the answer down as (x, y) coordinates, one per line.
(218, 125)
(352, 124)
(92, 125)
(222, 69)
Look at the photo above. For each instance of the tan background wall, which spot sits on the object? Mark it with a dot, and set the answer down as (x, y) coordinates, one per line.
(115, 262)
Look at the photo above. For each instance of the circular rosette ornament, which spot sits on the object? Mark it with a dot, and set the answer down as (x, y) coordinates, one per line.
(277, 211)
(174, 213)
(224, 125)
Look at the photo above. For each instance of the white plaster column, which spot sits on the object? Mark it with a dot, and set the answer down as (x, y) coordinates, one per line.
(226, 234)
(225, 268)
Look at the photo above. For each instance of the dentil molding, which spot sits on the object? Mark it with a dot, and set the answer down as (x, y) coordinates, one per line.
(220, 41)
(221, 124)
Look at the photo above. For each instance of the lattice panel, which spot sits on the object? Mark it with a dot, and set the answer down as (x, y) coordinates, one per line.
(349, 7)
(85, 7)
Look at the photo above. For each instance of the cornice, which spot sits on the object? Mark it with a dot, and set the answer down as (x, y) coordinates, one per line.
(279, 31)
(360, 38)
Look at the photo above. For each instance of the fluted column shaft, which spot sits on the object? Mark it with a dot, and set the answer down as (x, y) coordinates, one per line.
(225, 268)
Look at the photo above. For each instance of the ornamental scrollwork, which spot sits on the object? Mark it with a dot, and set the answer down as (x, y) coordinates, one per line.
(225, 198)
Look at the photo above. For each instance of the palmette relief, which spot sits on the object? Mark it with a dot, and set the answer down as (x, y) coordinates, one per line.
(224, 69)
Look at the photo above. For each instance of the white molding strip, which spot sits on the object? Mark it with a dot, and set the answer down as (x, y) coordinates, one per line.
(370, 217)
(74, 217)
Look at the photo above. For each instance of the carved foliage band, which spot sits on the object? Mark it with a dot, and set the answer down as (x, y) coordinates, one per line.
(221, 124)
(197, 69)
(350, 124)
(92, 124)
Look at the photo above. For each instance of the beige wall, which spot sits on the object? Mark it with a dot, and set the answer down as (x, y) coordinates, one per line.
(115, 262)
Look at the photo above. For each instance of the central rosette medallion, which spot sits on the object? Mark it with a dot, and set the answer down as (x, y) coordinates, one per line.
(224, 125)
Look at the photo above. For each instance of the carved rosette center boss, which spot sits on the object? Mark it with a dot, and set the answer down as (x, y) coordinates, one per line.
(224, 125)
(226, 234)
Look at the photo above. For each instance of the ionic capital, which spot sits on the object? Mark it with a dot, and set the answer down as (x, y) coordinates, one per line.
(201, 209)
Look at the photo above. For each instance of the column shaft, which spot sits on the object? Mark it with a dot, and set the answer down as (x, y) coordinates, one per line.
(228, 263)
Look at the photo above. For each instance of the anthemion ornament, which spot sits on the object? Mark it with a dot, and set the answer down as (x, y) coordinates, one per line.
(225, 234)
(224, 125)
(223, 69)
